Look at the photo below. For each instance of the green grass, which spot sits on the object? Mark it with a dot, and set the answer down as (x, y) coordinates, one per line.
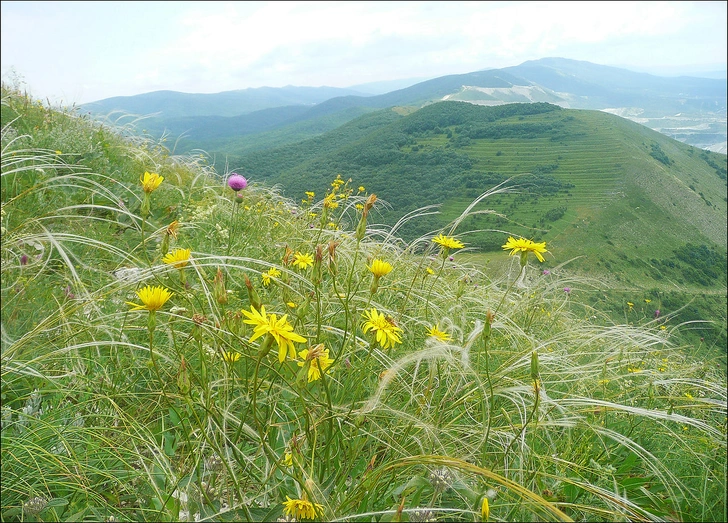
(537, 402)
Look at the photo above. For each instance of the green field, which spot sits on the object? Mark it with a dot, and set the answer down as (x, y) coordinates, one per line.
(175, 350)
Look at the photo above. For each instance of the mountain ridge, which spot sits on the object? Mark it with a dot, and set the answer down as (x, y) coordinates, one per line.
(700, 103)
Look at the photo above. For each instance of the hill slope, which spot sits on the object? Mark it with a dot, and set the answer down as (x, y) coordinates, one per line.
(588, 182)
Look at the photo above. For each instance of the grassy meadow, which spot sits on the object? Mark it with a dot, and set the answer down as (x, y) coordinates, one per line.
(182, 344)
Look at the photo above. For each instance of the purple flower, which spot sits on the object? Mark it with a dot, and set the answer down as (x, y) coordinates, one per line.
(24, 260)
(657, 313)
(451, 258)
(237, 182)
(567, 290)
(546, 272)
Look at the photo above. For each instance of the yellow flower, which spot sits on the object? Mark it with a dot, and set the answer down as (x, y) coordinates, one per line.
(310, 194)
(319, 358)
(272, 273)
(150, 181)
(647, 301)
(630, 304)
(387, 333)
(178, 258)
(525, 246)
(430, 271)
(291, 304)
(230, 356)
(448, 242)
(361, 188)
(288, 459)
(662, 327)
(302, 508)
(279, 329)
(435, 332)
(485, 510)
(330, 202)
(153, 298)
(380, 268)
(302, 261)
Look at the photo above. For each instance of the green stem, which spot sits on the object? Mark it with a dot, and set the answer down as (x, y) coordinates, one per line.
(429, 293)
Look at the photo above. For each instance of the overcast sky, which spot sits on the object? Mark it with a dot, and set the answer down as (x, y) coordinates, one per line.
(77, 52)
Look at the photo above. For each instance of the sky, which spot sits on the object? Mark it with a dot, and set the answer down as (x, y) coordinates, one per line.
(78, 52)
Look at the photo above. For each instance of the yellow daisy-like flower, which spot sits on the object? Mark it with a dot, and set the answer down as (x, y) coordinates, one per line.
(319, 361)
(288, 459)
(386, 332)
(302, 508)
(178, 258)
(153, 298)
(310, 194)
(302, 261)
(380, 268)
(630, 304)
(230, 356)
(361, 188)
(435, 332)
(150, 181)
(272, 273)
(279, 329)
(525, 246)
(448, 242)
(330, 201)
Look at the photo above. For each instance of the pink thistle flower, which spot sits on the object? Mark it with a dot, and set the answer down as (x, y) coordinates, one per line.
(237, 182)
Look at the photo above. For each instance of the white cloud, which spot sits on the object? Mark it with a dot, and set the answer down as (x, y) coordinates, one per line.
(103, 49)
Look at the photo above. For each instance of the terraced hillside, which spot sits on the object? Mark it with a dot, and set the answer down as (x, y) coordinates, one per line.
(591, 184)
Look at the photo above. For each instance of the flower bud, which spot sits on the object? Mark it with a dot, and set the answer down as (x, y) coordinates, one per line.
(183, 378)
(252, 294)
(218, 287)
(164, 246)
(534, 365)
(302, 376)
(489, 317)
(266, 345)
(485, 509)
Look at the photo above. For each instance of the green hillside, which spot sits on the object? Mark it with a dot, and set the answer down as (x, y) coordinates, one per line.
(181, 344)
(579, 179)
(621, 203)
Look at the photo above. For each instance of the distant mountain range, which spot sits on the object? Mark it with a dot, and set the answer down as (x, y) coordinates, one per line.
(692, 110)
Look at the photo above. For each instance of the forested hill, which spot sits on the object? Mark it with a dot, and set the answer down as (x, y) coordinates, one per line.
(585, 181)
